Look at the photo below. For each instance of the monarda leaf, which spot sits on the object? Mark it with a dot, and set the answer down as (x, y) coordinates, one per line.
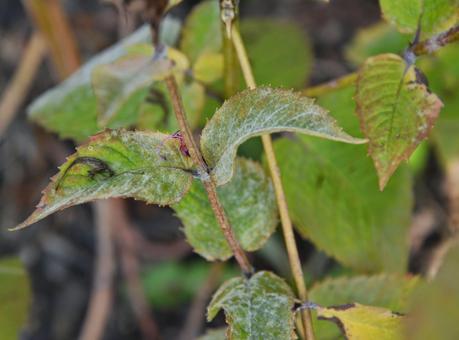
(396, 111)
(249, 202)
(360, 322)
(432, 15)
(389, 291)
(145, 166)
(260, 111)
(255, 308)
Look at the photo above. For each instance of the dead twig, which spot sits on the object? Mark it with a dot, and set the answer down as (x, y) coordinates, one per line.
(17, 89)
(196, 313)
(102, 293)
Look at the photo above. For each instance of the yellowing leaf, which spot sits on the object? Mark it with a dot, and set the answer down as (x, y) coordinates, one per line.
(436, 15)
(360, 322)
(255, 308)
(255, 112)
(395, 114)
(208, 68)
(249, 202)
(142, 165)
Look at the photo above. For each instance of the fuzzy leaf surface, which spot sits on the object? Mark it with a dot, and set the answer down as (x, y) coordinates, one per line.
(249, 202)
(257, 308)
(395, 114)
(437, 15)
(70, 109)
(385, 290)
(360, 322)
(145, 166)
(255, 112)
(202, 31)
(333, 197)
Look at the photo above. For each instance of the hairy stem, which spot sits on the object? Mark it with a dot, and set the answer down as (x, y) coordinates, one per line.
(203, 171)
(286, 222)
(432, 44)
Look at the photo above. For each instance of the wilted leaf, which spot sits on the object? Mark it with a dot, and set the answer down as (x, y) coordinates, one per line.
(260, 111)
(146, 166)
(395, 114)
(157, 112)
(334, 201)
(388, 291)
(208, 68)
(279, 52)
(436, 15)
(249, 202)
(202, 31)
(15, 297)
(70, 108)
(360, 322)
(434, 313)
(258, 308)
(377, 39)
(115, 83)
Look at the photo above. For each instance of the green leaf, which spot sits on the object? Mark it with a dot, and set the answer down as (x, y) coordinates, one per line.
(117, 82)
(434, 313)
(202, 31)
(376, 39)
(436, 15)
(279, 52)
(142, 165)
(70, 109)
(15, 296)
(360, 322)
(257, 308)
(395, 114)
(249, 202)
(385, 290)
(214, 334)
(255, 112)
(332, 194)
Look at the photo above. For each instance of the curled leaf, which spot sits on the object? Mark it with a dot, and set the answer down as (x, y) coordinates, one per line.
(142, 165)
(255, 308)
(255, 112)
(249, 202)
(396, 111)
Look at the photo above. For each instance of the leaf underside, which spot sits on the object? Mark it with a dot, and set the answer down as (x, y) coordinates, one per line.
(257, 308)
(145, 166)
(255, 112)
(248, 200)
(395, 115)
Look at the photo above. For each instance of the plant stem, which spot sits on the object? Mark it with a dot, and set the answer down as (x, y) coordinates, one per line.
(203, 172)
(432, 44)
(286, 222)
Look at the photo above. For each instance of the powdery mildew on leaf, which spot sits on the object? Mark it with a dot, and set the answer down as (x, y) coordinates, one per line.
(395, 114)
(255, 308)
(248, 200)
(255, 112)
(360, 322)
(145, 166)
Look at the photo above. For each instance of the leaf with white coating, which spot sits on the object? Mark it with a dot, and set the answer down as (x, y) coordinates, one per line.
(255, 308)
(143, 165)
(255, 112)
(250, 204)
